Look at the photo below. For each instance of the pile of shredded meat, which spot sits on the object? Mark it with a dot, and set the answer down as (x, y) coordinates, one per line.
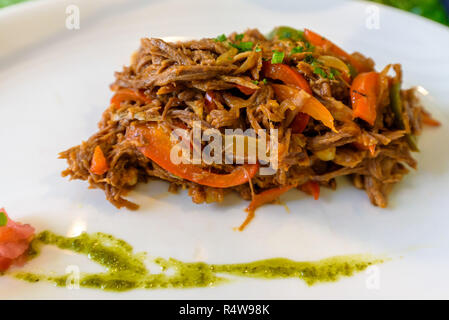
(335, 114)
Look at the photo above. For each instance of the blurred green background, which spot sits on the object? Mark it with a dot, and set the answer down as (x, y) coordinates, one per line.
(432, 9)
(4, 3)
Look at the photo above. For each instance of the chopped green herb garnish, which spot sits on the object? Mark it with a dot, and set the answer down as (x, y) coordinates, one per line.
(3, 219)
(309, 59)
(278, 57)
(352, 70)
(316, 66)
(239, 37)
(243, 46)
(297, 50)
(221, 38)
(333, 74)
(255, 82)
(309, 47)
(258, 49)
(264, 81)
(316, 63)
(320, 72)
(246, 46)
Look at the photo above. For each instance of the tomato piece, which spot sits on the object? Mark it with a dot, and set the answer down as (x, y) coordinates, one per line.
(15, 239)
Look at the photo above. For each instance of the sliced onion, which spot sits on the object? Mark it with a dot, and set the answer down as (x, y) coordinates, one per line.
(326, 154)
(249, 63)
(227, 57)
(243, 81)
(333, 62)
(250, 144)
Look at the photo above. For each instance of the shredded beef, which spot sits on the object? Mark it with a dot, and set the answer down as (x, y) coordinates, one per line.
(222, 84)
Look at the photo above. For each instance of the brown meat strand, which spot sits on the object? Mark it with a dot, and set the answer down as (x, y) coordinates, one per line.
(346, 134)
(172, 74)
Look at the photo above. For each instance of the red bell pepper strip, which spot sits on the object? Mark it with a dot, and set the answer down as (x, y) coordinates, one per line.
(319, 41)
(428, 120)
(5, 263)
(309, 104)
(245, 90)
(260, 199)
(361, 146)
(129, 95)
(158, 147)
(288, 75)
(364, 92)
(210, 99)
(99, 165)
(300, 122)
(312, 188)
(372, 149)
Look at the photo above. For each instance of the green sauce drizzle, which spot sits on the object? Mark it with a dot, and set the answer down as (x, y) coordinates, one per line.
(126, 270)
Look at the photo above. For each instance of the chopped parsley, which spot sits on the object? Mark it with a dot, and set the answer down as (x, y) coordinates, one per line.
(352, 70)
(308, 48)
(246, 46)
(264, 81)
(243, 46)
(258, 49)
(297, 50)
(309, 59)
(221, 38)
(255, 82)
(278, 57)
(319, 71)
(239, 37)
(3, 219)
(333, 73)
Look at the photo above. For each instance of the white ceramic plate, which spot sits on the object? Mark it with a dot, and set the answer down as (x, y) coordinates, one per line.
(54, 88)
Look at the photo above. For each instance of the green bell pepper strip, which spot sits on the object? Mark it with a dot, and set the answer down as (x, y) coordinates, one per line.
(284, 32)
(396, 106)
